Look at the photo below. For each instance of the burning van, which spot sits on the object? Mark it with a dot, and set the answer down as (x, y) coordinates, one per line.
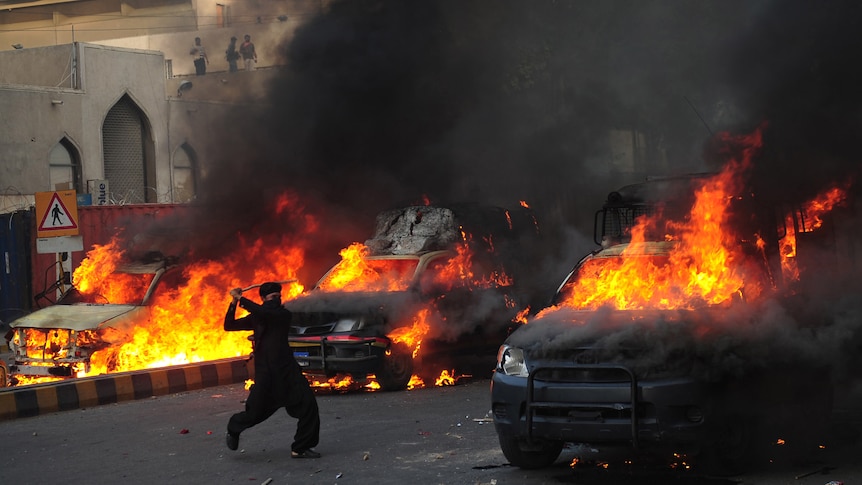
(59, 341)
(422, 296)
(661, 340)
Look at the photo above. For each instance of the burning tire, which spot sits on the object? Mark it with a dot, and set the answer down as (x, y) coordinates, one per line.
(397, 368)
(524, 455)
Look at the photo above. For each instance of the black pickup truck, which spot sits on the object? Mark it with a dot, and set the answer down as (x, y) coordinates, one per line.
(617, 362)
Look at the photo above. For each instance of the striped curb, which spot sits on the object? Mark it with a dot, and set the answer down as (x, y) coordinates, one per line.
(36, 399)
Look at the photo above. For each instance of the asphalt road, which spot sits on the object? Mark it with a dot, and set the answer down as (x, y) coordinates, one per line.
(428, 436)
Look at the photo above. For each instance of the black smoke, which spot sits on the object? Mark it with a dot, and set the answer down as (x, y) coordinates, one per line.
(386, 103)
(383, 103)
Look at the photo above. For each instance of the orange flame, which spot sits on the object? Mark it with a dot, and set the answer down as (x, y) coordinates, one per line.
(807, 219)
(814, 209)
(416, 382)
(95, 275)
(705, 265)
(445, 378)
(183, 323)
(698, 270)
(357, 273)
(459, 272)
(338, 383)
(412, 336)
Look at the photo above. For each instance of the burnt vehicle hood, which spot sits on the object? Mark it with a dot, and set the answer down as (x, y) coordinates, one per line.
(79, 316)
(709, 344)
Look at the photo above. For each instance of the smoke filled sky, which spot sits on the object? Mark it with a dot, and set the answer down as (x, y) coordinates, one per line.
(384, 102)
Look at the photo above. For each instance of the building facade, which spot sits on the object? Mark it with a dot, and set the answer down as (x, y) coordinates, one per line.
(102, 97)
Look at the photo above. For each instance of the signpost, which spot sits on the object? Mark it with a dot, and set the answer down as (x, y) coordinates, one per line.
(57, 229)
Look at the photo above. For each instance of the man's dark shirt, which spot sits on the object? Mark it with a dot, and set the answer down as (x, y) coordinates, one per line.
(270, 323)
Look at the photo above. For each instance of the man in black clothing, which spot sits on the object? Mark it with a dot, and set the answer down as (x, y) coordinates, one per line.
(278, 379)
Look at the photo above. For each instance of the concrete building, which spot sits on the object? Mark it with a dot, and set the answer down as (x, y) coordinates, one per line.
(101, 97)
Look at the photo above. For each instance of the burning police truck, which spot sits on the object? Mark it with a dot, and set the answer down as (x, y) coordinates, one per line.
(672, 337)
(429, 293)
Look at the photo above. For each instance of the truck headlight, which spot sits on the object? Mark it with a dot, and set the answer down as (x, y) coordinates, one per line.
(510, 361)
(348, 324)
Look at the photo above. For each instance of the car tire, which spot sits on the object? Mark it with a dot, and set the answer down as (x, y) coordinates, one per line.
(522, 455)
(397, 369)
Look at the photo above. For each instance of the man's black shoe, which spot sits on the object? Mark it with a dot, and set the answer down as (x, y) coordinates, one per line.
(232, 440)
(305, 454)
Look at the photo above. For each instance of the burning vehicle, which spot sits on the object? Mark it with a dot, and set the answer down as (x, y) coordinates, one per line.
(423, 295)
(60, 341)
(660, 341)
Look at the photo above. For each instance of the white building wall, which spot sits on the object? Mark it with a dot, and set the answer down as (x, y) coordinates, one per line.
(35, 118)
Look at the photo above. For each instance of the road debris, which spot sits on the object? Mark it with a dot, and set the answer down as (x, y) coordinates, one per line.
(824, 470)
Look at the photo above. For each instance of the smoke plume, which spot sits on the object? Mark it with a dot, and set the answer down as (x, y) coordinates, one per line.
(384, 103)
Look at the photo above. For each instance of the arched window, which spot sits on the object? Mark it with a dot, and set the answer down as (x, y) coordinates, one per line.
(127, 147)
(185, 174)
(64, 166)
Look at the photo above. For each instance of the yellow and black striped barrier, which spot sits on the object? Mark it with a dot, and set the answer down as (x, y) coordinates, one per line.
(35, 399)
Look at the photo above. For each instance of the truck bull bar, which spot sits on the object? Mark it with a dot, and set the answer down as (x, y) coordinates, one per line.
(532, 404)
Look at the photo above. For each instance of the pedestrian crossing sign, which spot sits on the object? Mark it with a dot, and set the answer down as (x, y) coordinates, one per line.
(58, 213)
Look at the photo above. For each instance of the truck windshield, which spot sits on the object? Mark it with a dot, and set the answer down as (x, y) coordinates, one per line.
(370, 275)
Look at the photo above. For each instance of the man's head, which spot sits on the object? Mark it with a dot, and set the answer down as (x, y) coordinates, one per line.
(268, 289)
(197, 41)
(247, 37)
(233, 39)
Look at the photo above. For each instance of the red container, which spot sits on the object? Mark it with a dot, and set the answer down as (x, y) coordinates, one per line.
(97, 225)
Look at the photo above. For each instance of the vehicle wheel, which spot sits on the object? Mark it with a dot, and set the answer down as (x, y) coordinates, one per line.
(523, 455)
(397, 369)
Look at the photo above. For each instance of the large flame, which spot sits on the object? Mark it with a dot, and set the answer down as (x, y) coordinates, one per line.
(412, 336)
(704, 266)
(706, 263)
(95, 276)
(183, 323)
(355, 272)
